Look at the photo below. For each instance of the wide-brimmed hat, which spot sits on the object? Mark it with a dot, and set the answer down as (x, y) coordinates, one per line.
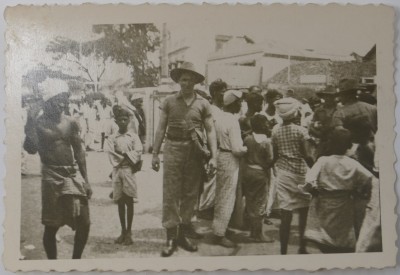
(187, 67)
(329, 90)
(349, 85)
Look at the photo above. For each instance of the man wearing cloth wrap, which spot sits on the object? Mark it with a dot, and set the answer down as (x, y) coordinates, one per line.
(182, 114)
(65, 191)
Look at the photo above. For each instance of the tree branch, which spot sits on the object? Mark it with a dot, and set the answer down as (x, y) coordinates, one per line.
(81, 67)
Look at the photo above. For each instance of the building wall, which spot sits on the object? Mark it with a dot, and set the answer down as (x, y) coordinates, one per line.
(273, 65)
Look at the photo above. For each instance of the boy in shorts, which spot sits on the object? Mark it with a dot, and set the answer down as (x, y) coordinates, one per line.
(124, 149)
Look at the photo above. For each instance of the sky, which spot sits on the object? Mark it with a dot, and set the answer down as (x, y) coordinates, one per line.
(308, 28)
(321, 30)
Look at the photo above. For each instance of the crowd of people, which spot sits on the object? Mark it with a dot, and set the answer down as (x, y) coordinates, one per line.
(263, 152)
(230, 155)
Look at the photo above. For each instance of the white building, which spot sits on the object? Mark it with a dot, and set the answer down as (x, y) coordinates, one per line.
(242, 63)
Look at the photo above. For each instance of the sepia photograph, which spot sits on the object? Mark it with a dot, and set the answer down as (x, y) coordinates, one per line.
(184, 132)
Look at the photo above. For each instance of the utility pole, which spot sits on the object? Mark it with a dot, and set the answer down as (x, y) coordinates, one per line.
(164, 55)
(288, 72)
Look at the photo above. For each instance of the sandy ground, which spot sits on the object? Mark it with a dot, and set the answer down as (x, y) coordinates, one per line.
(148, 234)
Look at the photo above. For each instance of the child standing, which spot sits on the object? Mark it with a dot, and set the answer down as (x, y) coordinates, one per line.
(338, 181)
(289, 142)
(125, 149)
(257, 175)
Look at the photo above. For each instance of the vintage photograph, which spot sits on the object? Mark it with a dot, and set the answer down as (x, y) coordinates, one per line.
(199, 132)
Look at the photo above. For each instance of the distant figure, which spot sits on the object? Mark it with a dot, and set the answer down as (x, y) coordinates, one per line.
(255, 89)
(290, 144)
(334, 180)
(321, 125)
(65, 191)
(125, 149)
(254, 105)
(271, 96)
(137, 102)
(273, 119)
(207, 198)
(105, 118)
(257, 175)
(230, 145)
(89, 115)
(360, 119)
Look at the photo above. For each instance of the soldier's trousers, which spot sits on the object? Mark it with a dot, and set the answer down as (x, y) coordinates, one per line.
(183, 173)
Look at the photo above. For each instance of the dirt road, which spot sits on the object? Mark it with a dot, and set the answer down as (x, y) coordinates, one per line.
(148, 234)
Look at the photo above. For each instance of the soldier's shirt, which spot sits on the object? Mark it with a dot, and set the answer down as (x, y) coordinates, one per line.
(180, 115)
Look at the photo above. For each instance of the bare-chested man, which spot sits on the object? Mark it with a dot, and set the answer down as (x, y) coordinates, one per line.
(65, 191)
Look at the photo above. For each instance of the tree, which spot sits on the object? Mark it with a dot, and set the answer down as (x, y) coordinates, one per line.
(83, 56)
(39, 73)
(134, 45)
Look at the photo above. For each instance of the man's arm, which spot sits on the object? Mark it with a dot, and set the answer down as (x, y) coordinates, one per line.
(211, 141)
(79, 155)
(337, 119)
(305, 150)
(160, 133)
(274, 152)
(31, 138)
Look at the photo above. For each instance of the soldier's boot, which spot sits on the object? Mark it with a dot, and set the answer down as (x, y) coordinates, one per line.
(184, 241)
(171, 244)
(189, 231)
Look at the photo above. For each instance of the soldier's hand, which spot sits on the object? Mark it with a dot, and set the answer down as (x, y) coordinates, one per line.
(212, 165)
(155, 163)
(88, 190)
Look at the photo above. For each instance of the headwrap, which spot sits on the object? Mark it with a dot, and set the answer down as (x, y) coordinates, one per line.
(231, 96)
(287, 108)
(51, 87)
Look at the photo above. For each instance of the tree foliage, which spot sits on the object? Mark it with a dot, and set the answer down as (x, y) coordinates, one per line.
(35, 76)
(80, 54)
(133, 45)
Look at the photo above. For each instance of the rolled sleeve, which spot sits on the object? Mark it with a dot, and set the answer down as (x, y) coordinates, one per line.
(164, 106)
(207, 112)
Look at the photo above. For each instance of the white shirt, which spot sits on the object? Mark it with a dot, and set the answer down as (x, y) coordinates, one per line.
(104, 112)
(228, 133)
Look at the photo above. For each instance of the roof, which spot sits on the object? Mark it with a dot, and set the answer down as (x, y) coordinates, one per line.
(273, 48)
(371, 54)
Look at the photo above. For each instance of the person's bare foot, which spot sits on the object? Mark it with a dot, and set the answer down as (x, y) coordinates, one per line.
(262, 239)
(121, 238)
(128, 238)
